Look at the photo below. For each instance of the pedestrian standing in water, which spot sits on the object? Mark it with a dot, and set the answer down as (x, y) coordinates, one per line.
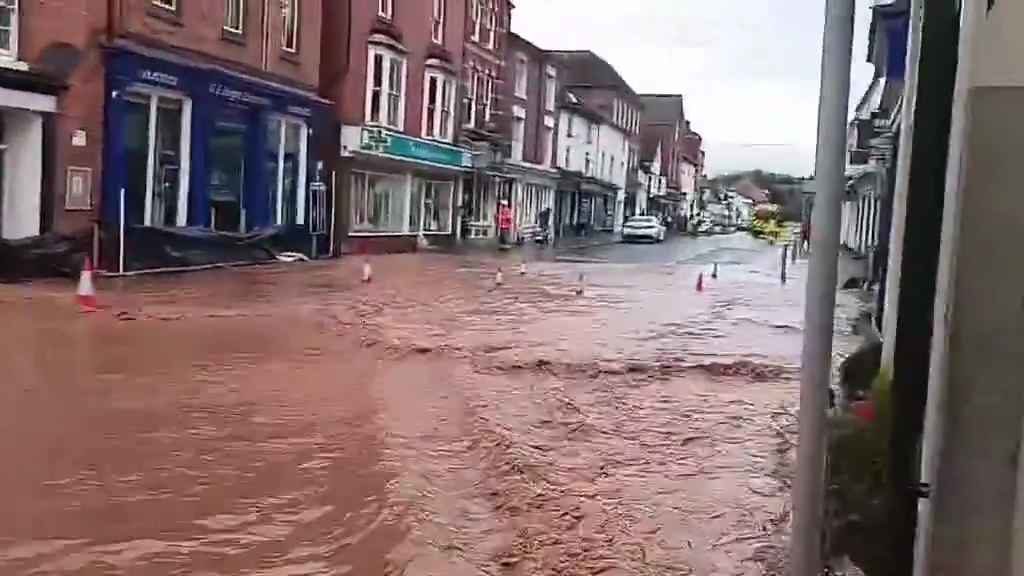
(504, 223)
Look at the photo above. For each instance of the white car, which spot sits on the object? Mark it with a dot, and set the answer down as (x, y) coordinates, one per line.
(643, 228)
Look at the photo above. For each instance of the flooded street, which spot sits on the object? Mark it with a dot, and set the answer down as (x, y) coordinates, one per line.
(289, 420)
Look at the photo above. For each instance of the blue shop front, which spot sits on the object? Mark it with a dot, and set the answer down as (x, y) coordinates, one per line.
(212, 166)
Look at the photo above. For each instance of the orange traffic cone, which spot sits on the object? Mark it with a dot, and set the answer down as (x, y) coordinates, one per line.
(86, 289)
(700, 282)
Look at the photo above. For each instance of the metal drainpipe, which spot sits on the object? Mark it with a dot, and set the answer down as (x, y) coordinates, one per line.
(265, 54)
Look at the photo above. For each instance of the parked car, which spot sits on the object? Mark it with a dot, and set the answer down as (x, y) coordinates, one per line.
(643, 228)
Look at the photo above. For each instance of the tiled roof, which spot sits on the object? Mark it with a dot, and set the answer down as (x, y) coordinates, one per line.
(583, 68)
(663, 108)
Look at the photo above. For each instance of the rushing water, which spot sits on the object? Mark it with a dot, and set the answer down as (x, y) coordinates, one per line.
(288, 421)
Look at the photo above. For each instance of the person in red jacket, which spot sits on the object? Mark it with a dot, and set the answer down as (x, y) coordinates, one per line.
(504, 223)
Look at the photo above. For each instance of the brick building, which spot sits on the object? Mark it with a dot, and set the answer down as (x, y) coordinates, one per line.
(201, 112)
(528, 123)
(484, 130)
(665, 129)
(392, 68)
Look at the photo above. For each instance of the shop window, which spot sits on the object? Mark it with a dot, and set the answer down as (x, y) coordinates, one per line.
(286, 145)
(290, 25)
(156, 133)
(226, 158)
(9, 29)
(234, 16)
(438, 105)
(437, 207)
(385, 89)
(378, 203)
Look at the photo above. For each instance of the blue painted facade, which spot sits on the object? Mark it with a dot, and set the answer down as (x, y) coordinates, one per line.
(216, 96)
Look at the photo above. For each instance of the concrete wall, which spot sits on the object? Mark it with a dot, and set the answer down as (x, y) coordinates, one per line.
(980, 314)
(22, 173)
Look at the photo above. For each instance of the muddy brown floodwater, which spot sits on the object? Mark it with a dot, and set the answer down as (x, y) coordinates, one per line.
(289, 420)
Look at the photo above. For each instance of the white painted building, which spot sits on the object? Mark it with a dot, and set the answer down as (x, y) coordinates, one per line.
(599, 152)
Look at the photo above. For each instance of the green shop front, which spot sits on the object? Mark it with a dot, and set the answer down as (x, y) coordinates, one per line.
(395, 189)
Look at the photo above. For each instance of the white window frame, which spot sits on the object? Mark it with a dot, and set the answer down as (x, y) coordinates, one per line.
(296, 16)
(476, 14)
(518, 133)
(240, 6)
(437, 20)
(492, 26)
(521, 72)
(171, 5)
(185, 151)
(550, 89)
(386, 9)
(444, 130)
(489, 94)
(300, 187)
(385, 91)
(11, 52)
(423, 204)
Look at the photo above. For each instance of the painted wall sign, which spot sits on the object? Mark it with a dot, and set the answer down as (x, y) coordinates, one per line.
(241, 96)
(378, 140)
(162, 78)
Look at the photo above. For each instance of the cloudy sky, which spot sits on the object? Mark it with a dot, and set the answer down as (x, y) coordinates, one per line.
(748, 69)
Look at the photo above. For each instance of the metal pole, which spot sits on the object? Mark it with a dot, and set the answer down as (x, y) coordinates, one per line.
(819, 309)
(120, 239)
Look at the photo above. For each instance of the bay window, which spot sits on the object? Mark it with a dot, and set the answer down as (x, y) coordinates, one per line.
(378, 203)
(438, 106)
(156, 136)
(290, 25)
(9, 29)
(286, 145)
(385, 88)
(437, 22)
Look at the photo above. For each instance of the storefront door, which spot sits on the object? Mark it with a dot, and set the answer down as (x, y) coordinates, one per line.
(227, 177)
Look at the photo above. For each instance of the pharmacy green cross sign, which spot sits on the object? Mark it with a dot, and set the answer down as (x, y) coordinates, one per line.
(381, 141)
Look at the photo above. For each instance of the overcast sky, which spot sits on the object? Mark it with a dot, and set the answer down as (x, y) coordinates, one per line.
(748, 69)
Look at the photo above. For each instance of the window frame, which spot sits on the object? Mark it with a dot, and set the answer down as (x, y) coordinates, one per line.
(386, 9)
(387, 57)
(153, 96)
(518, 133)
(521, 74)
(444, 129)
(11, 52)
(437, 23)
(550, 88)
(296, 16)
(226, 26)
(300, 185)
(492, 26)
(432, 186)
(476, 14)
(169, 5)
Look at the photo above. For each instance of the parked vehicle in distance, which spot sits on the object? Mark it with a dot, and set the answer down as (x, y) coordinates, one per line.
(704, 227)
(643, 228)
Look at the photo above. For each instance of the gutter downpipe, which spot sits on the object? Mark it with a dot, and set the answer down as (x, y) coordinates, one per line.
(945, 296)
(819, 310)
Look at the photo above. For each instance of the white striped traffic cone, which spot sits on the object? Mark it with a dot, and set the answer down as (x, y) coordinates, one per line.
(367, 271)
(86, 289)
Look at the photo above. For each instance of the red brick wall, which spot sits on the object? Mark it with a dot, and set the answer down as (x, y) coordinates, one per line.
(81, 24)
(198, 27)
(536, 68)
(350, 23)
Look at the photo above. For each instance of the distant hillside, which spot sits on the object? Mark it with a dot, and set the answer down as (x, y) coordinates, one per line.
(785, 190)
